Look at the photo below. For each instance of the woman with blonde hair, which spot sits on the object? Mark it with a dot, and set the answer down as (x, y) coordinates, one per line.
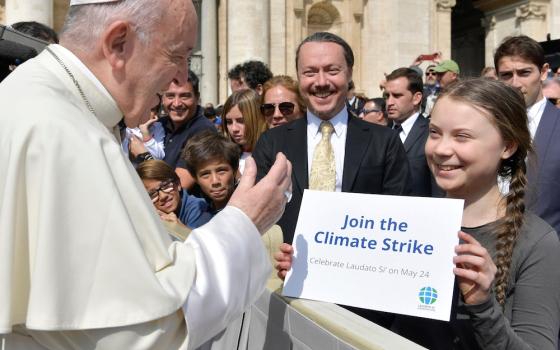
(243, 122)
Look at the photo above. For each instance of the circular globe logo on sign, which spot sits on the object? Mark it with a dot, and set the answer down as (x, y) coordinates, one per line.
(428, 295)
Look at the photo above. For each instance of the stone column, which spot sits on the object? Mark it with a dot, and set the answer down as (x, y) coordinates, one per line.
(209, 48)
(554, 21)
(355, 40)
(2, 14)
(248, 31)
(222, 50)
(380, 49)
(489, 24)
(532, 19)
(278, 37)
(29, 10)
(60, 9)
(294, 30)
(441, 29)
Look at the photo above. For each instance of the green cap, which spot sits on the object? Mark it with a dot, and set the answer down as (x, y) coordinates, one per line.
(447, 66)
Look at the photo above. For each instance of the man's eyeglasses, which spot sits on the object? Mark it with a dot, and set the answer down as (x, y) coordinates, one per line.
(432, 73)
(286, 108)
(166, 187)
(368, 111)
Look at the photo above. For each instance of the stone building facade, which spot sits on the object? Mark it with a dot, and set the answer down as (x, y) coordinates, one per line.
(385, 34)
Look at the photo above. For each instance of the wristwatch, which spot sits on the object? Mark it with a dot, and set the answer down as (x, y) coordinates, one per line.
(142, 157)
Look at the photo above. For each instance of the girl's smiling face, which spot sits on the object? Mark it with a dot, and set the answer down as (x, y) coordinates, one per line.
(464, 149)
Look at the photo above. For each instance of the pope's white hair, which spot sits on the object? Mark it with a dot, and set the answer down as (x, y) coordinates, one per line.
(85, 23)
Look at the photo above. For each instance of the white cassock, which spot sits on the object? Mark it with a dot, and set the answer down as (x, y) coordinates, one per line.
(84, 259)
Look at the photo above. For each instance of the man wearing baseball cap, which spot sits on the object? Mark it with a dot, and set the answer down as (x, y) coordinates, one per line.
(447, 72)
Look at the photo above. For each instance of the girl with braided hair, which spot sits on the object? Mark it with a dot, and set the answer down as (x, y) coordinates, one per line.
(508, 260)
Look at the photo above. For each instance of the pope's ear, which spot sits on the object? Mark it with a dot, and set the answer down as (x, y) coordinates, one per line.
(116, 41)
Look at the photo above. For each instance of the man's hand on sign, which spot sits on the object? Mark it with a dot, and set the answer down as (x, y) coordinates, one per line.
(283, 259)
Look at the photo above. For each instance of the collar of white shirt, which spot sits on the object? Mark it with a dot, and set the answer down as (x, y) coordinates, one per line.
(534, 114)
(339, 122)
(407, 126)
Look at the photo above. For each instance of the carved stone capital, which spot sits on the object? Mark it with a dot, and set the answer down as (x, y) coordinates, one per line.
(530, 11)
(445, 5)
(488, 23)
(358, 10)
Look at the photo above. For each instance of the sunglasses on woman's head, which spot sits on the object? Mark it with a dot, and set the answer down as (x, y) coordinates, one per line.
(286, 108)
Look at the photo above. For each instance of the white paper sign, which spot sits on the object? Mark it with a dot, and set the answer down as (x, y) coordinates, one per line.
(387, 253)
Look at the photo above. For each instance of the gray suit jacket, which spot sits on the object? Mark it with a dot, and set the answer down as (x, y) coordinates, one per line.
(543, 196)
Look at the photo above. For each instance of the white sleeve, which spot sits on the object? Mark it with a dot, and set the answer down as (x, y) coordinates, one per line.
(232, 268)
(155, 145)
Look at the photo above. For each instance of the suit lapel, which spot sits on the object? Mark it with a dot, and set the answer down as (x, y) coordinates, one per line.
(415, 133)
(545, 130)
(357, 142)
(296, 149)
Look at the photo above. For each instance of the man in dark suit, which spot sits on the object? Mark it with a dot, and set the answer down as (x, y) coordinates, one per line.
(520, 62)
(362, 157)
(404, 97)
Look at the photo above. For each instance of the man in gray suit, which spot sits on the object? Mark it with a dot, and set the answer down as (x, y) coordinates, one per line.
(404, 97)
(519, 62)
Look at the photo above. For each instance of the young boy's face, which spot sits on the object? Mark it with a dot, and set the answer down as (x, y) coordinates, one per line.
(217, 181)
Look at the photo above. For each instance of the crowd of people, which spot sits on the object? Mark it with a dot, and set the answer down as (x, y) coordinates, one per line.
(490, 140)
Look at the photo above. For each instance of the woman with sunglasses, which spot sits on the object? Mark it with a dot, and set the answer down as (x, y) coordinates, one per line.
(282, 102)
(171, 202)
(244, 124)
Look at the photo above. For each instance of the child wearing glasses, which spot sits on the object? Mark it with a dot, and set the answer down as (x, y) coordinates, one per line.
(281, 101)
(244, 123)
(171, 202)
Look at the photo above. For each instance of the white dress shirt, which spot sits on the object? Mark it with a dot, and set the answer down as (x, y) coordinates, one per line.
(338, 141)
(407, 126)
(534, 114)
(155, 145)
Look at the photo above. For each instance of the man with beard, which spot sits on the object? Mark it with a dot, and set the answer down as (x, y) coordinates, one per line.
(331, 150)
(360, 157)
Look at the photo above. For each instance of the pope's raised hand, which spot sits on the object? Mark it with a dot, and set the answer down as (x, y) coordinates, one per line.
(264, 202)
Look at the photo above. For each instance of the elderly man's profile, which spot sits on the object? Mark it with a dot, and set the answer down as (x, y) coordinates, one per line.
(84, 260)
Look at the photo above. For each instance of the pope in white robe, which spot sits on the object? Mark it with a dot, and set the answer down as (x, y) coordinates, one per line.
(84, 259)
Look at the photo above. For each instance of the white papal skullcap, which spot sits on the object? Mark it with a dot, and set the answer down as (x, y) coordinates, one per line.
(87, 2)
